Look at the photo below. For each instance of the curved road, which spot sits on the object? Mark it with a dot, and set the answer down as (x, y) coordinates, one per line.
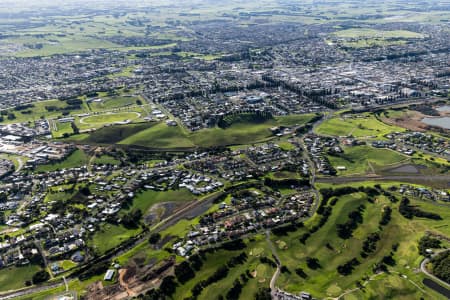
(277, 261)
(423, 268)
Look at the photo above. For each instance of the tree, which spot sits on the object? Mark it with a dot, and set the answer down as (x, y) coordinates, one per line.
(154, 238)
(441, 266)
(184, 272)
(263, 294)
(428, 242)
(300, 272)
(235, 290)
(312, 263)
(75, 128)
(132, 219)
(347, 268)
(40, 276)
(386, 216)
(168, 285)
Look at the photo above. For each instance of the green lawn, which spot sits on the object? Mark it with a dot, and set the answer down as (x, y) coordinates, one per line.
(67, 264)
(106, 159)
(161, 136)
(58, 196)
(76, 159)
(365, 159)
(110, 236)
(12, 278)
(62, 128)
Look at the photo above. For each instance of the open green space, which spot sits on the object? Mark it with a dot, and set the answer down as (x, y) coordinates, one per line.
(365, 159)
(62, 129)
(359, 126)
(16, 281)
(76, 159)
(162, 136)
(110, 236)
(113, 134)
(42, 110)
(145, 199)
(105, 160)
(219, 258)
(112, 102)
(59, 45)
(332, 251)
(373, 33)
(109, 118)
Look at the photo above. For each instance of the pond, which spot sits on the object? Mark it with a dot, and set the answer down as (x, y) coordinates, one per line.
(443, 122)
(445, 108)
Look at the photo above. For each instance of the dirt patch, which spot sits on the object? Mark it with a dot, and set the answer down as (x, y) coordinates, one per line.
(97, 291)
(132, 281)
(124, 278)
